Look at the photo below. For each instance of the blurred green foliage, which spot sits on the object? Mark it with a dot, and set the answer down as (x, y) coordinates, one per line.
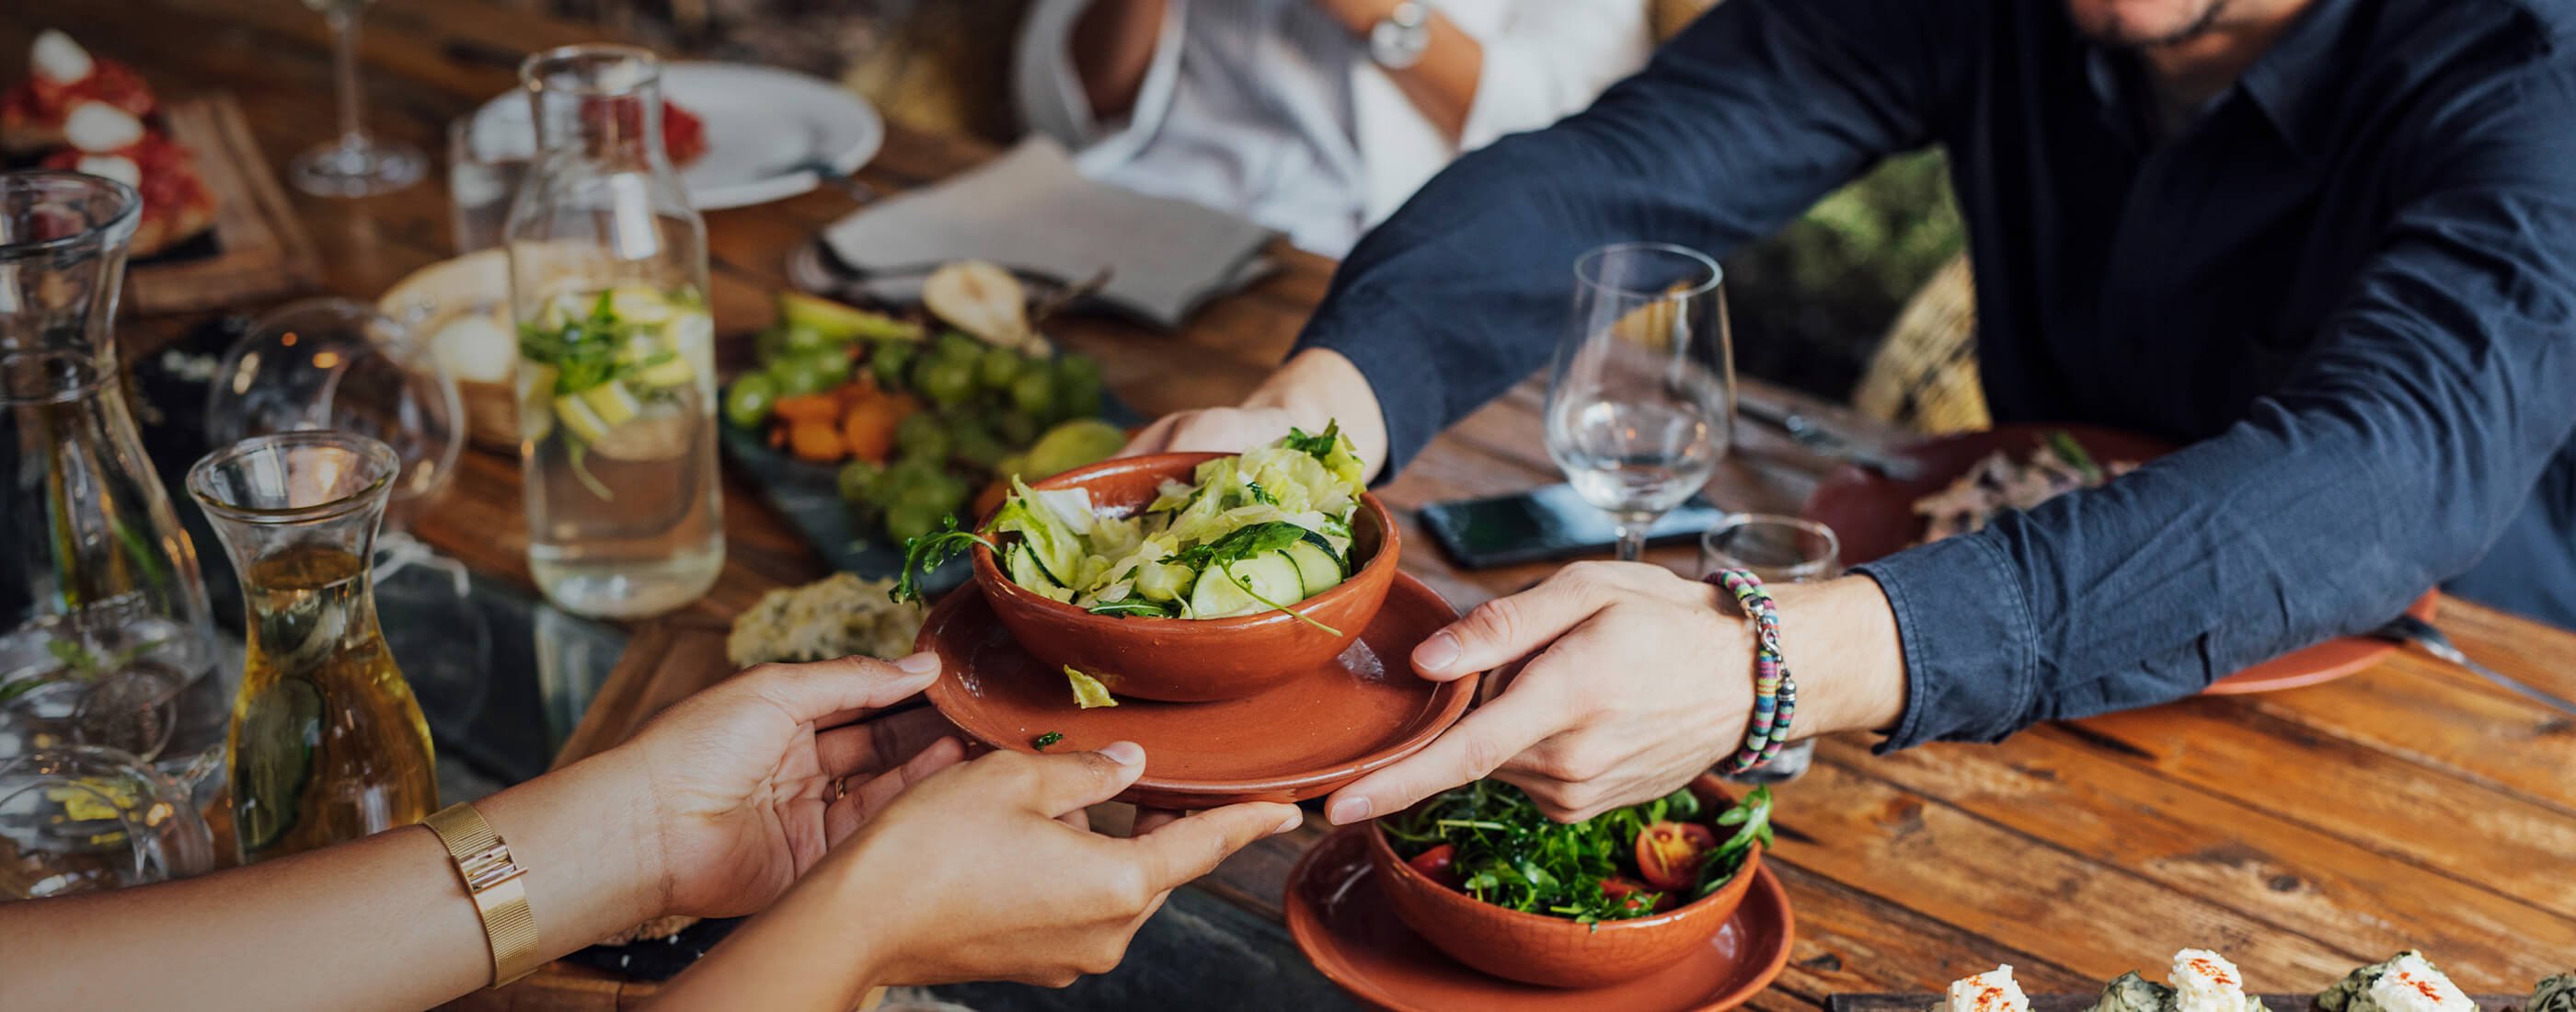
(1810, 304)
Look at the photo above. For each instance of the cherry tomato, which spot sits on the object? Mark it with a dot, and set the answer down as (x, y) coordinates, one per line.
(1438, 864)
(1633, 896)
(1669, 853)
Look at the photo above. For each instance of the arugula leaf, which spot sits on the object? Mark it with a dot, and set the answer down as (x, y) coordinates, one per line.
(1259, 494)
(1318, 445)
(1244, 543)
(1133, 608)
(1047, 739)
(927, 552)
(1510, 854)
(2067, 449)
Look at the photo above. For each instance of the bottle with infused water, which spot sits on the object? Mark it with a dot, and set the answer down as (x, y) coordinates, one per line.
(616, 373)
(327, 743)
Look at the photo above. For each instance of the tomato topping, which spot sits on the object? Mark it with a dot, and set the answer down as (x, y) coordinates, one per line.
(1669, 853)
(1438, 864)
(1634, 896)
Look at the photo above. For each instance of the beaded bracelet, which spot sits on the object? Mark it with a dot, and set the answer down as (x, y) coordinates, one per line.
(1775, 693)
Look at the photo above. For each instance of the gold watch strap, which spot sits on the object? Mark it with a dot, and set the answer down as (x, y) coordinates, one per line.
(492, 879)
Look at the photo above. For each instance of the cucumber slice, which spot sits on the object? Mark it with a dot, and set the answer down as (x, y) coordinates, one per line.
(615, 404)
(1026, 571)
(1239, 588)
(1317, 570)
(579, 418)
(1158, 582)
(273, 757)
(666, 373)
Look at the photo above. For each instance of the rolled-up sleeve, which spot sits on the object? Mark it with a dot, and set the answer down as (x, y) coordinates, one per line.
(1049, 93)
(2410, 435)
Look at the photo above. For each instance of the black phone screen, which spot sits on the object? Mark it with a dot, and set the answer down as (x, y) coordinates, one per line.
(1545, 523)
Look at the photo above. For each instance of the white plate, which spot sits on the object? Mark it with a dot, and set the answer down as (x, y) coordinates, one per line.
(761, 122)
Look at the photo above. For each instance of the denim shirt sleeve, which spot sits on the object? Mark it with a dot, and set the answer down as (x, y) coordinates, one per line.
(2405, 441)
(1737, 125)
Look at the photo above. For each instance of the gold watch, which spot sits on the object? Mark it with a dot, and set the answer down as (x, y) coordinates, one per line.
(492, 879)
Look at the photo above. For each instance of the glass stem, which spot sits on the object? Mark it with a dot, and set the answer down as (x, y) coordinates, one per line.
(344, 72)
(1632, 540)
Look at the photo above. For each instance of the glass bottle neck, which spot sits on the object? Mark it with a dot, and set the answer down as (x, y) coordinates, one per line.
(613, 132)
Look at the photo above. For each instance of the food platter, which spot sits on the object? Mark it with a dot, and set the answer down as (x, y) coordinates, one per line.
(766, 130)
(1343, 921)
(1301, 740)
(1873, 516)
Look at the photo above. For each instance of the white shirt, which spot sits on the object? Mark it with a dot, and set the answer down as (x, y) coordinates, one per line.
(1271, 109)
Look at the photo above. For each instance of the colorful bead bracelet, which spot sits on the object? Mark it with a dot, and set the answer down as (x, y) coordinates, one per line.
(1775, 693)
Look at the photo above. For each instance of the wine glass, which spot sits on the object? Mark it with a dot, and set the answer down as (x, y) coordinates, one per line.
(357, 164)
(1641, 400)
(340, 365)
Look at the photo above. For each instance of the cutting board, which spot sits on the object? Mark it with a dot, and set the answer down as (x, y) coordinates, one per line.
(258, 249)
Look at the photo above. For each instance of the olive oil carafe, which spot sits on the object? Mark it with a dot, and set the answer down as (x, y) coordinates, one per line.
(327, 743)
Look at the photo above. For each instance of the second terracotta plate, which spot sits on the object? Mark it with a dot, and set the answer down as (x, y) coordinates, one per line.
(1318, 731)
(1346, 925)
(1874, 516)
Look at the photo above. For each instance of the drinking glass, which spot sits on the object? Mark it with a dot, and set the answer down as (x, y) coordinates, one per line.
(486, 161)
(1641, 400)
(339, 365)
(1776, 549)
(357, 164)
(616, 374)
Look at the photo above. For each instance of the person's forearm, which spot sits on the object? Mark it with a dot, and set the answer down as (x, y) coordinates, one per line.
(379, 923)
(1443, 83)
(1841, 641)
(1318, 387)
(797, 955)
(1113, 45)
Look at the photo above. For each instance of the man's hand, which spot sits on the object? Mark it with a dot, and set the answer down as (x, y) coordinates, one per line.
(1315, 389)
(1635, 682)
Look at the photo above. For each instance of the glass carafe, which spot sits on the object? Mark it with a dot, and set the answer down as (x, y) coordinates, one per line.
(327, 742)
(102, 612)
(81, 818)
(616, 372)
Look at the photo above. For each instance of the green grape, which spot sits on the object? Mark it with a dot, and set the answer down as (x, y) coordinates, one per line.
(889, 362)
(747, 402)
(997, 368)
(956, 346)
(949, 384)
(1034, 394)
(1077, 387)
(769, 343)
(905, 521)
(980, 449)
(924, 436)
(1015, 429)
(834, 364)
(859, 480)
(798, 375)
(801, 338)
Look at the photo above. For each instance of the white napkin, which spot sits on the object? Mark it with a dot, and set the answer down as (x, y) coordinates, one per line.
(1032, 211)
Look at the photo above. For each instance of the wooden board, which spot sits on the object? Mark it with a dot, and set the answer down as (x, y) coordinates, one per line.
(261, 250)
(1919, 1001)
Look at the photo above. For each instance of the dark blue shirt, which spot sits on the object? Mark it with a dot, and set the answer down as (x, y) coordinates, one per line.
(2349, 285)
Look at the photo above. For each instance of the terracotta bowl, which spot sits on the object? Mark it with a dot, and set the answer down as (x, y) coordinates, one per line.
(1556, 951)
(1191, 660)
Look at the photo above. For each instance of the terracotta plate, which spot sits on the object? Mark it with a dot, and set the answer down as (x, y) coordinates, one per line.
(1316, 732)
(1874, 516)
(1347, 927)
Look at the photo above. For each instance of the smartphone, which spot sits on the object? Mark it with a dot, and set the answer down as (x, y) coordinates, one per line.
(1546, 523)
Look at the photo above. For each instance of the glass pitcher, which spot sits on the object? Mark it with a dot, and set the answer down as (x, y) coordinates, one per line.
(616, 372)
(327, 743)
(103, 618)
(81, 818)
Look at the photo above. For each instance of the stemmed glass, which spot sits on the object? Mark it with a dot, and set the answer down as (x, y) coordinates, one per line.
(1641, 401)
(357, 164)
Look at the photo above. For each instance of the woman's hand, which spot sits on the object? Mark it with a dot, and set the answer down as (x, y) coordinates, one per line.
(972, 874)
(1634, 682)
(739, 781)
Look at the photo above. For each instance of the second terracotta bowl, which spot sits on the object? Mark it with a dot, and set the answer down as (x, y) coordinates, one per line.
(1557, 951)
(1191, 660)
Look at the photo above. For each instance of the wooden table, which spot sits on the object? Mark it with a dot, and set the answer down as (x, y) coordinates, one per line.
(2302, 832)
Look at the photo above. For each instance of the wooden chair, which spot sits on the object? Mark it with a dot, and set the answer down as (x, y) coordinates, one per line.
(1924, 375)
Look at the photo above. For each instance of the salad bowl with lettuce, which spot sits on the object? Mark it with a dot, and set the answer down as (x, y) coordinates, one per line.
(1185, 577)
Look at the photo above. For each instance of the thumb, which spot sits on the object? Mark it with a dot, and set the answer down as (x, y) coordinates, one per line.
(1056, 784)
(1184, 849)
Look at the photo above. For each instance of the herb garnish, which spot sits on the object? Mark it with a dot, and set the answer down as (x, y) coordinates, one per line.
(1319, 445)
(1512, 855)
(927, 552)
(1047, 739)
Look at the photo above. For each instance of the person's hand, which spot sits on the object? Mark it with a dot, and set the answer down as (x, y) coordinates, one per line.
(746, 784)
(1635, 683)
(970, 875)
(1212, 430)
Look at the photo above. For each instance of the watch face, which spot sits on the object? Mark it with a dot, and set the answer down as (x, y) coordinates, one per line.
(1398, 41)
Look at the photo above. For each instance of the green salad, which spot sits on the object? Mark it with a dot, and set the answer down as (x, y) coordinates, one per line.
(1251, 533)
(1490, 841)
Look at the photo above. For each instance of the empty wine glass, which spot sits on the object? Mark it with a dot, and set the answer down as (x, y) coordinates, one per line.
(339, 365)
(357, 163)
(1641, 401)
